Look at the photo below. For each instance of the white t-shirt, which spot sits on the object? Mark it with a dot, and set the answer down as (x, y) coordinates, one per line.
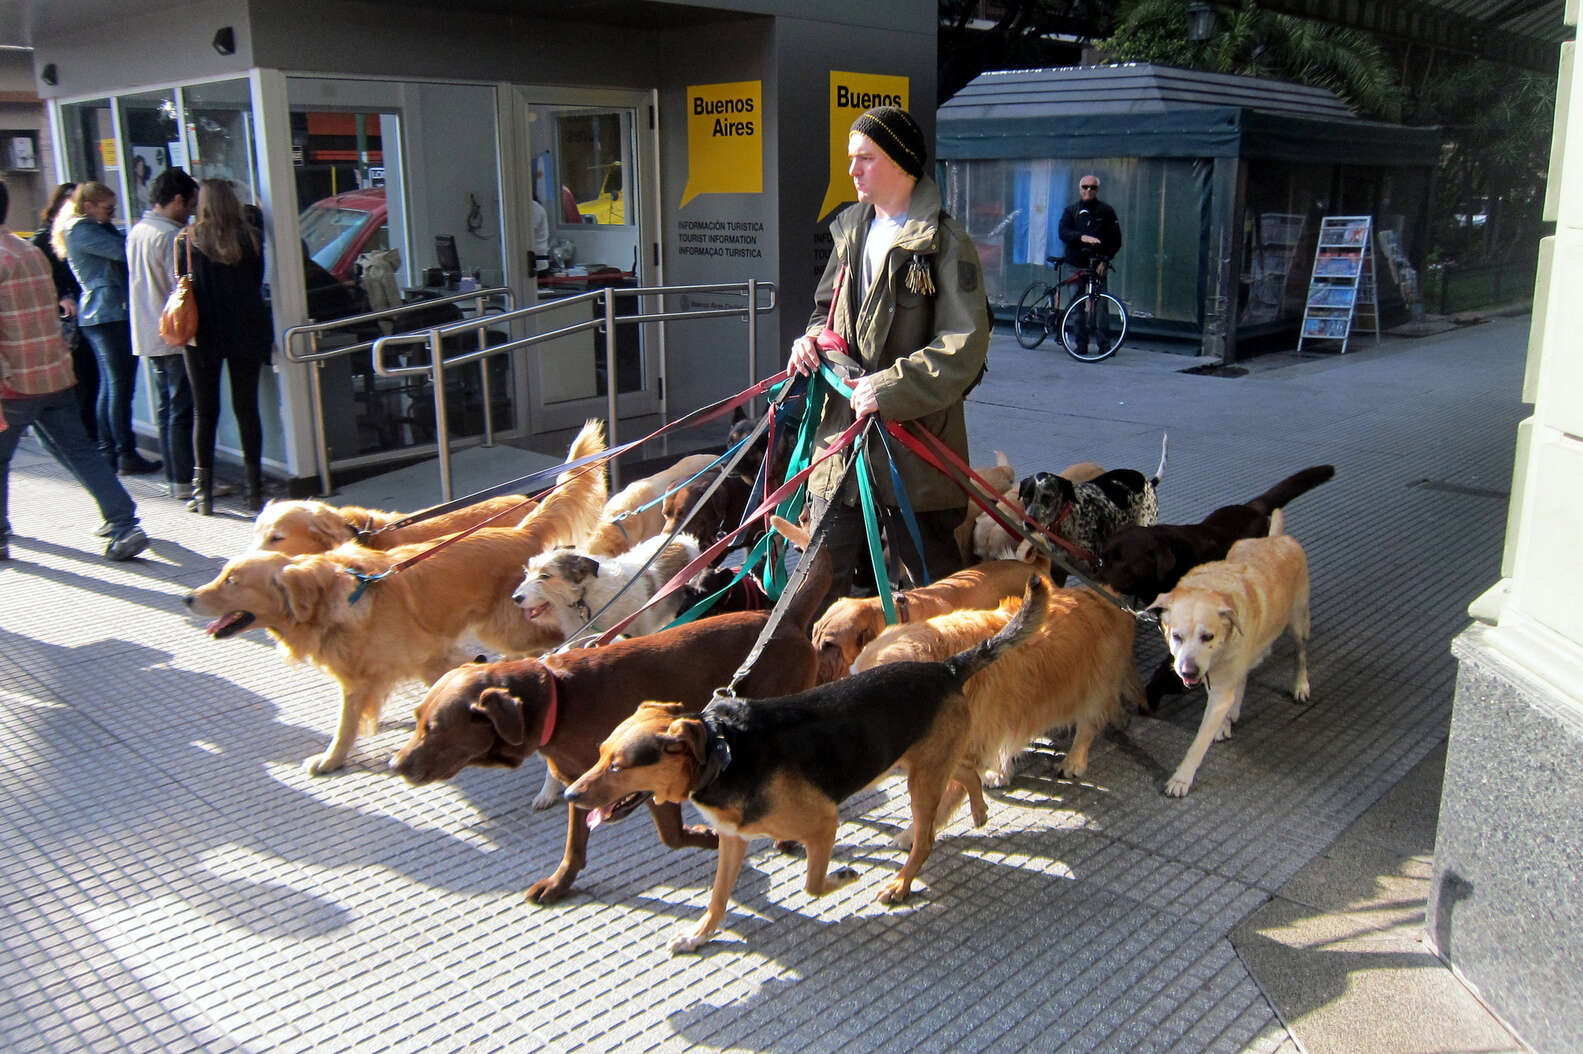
(541, 232)
(881, 236)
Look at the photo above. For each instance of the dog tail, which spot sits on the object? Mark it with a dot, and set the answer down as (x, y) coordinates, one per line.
(1290, 487)
(1159, 473)
(1028, 621)
(571, 510)
(1277, 523)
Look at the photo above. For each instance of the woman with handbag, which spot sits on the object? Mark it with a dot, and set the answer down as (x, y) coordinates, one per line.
(223, 253)
(96, 251)
(66, 291)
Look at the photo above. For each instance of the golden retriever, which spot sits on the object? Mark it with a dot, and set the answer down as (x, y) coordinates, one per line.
(1220, 622)
(297, 528)
(849, 624)
(620, 527)
(409, 625)
(1074, 672)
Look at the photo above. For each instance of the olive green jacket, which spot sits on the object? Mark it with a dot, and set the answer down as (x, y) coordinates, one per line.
(922, 350)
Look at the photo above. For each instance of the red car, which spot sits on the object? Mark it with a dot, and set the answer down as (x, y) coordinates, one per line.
(338, 230)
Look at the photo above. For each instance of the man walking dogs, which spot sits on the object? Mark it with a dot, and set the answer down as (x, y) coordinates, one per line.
(909, 303)
(36, 383)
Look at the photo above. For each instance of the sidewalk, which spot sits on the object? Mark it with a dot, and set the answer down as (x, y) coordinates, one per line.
(172, 881)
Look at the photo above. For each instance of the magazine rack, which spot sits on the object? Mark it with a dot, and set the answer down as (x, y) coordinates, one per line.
(1342, 292)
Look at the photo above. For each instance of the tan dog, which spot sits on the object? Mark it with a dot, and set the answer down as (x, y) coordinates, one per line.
(1002, 477)
(297, 528)
(1220, 622)
(781, 767)
(849, 624)
(620, 527)
(990, 541)
(410, 625)
(1074, 672)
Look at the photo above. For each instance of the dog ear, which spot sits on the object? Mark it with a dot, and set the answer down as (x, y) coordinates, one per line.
(1231, 620)
(328, 529)
(584, 567)
(301, 589)
(504, 711)
(686, 736)
(1161, 605)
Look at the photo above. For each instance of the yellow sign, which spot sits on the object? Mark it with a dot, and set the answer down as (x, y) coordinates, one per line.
(850, 95)
(107, 153)
(725, 139)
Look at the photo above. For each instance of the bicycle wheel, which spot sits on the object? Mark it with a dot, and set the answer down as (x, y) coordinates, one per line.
(1032, 321)
(1094, 327)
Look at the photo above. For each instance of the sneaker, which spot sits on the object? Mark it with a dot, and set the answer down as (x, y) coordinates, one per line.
(104, 530)
(138, 465)
(127, 544)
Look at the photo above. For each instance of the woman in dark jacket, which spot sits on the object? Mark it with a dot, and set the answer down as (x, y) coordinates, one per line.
(66, 291)
(96, 251)
(234, 331)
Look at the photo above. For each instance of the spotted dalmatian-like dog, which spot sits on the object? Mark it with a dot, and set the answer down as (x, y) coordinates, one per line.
(1087, 514)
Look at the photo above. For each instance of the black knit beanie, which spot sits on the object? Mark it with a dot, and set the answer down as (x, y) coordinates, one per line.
(895, 132)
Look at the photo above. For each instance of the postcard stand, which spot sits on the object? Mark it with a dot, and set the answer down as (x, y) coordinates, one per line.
(1342, 291)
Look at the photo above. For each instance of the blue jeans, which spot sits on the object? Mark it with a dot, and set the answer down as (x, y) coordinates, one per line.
(54, 417)
(112, 347)
(174, 413)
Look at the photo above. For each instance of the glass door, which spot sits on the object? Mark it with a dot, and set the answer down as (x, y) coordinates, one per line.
(593, 172)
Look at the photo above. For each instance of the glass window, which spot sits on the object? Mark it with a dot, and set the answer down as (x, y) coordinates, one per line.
(220, 135)
(91, 150)
(595, 164)
(150, 133)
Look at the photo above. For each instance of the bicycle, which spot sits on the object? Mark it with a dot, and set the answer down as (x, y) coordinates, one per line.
(1092, 326)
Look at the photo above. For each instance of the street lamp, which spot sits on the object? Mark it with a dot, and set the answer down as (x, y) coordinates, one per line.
(1200, 21)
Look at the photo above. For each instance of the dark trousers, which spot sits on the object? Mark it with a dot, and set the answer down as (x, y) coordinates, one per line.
(54, 418)
(86, 366)
(173, 399)
(203, 373)
(847, 544)
(112, 349)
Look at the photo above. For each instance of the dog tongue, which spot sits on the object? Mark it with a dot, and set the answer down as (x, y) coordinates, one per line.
(598, 816)
(223, 621)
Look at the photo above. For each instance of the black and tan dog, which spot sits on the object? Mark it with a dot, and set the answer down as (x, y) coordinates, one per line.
(781, 767)
(563, 705)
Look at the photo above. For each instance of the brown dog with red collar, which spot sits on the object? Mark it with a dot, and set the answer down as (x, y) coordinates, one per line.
(781, 767)
(565, 704)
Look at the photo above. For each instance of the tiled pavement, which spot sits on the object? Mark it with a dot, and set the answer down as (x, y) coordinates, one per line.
(171, 880)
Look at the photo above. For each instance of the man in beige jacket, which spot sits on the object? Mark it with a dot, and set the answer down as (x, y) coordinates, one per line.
(151, 269)
(912, 311)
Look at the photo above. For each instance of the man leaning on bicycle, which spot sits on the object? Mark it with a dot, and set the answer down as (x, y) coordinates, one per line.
(1089, 228)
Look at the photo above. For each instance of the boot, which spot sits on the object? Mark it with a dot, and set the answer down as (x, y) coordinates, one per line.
(202, 499)
(253, 490)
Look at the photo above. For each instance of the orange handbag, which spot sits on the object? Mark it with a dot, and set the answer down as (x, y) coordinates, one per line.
(178, 322)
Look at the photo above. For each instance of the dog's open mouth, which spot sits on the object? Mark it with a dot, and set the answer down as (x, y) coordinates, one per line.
(230, 623)
(617, 809)
(535, 611)
(1188, 680)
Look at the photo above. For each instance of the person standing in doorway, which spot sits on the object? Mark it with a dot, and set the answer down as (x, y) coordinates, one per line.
(151, 267)
(908, 297)
(96, 251)
(541, 235)
(226, 257)
(36, 384)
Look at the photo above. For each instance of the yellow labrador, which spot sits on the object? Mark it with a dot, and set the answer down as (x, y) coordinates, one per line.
(1220, 622)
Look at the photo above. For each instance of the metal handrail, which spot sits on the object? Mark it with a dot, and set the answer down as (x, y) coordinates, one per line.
(608, 321)
(317, 357)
